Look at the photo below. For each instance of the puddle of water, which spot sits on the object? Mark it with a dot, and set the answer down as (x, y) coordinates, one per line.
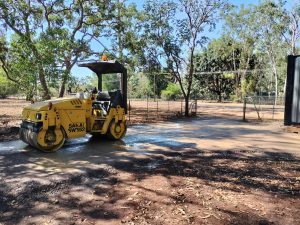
(152, 165)
(137, 140)
(12, 146)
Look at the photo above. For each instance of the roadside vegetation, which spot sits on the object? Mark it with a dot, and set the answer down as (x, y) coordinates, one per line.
(168, 47)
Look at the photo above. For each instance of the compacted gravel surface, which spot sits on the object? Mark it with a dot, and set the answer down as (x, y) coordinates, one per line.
(209, 170)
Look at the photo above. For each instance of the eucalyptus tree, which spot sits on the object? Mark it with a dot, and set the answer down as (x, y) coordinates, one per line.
(238, 24)
(68, 29)
(24, 19)
(57, 32)
(17, 63)
(292, 35)
(260, 28)
(118, 25)
(123, 30)
(269, 26)
(177, 29)
(215, 67)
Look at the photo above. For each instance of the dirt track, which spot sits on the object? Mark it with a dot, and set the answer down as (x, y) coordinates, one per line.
(204, 171)
(11, 109)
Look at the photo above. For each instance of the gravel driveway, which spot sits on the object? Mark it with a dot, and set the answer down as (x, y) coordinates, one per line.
(210, 170)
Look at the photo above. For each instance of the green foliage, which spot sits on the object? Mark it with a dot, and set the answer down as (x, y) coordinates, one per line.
(172, 92)
(47, 38)
(55, 33)
(24, 18)
(139, 86)
(7, 87)
(19, 67)
(247, 87)
(175, 39)
(76, 84)
(263, 29)
(123, 30)
(111, 82)
(218, 56)
(158, 82)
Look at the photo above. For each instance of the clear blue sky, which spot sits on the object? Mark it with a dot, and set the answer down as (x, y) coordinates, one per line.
(96, 47)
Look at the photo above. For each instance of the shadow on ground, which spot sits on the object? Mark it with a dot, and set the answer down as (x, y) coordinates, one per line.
(98, 184)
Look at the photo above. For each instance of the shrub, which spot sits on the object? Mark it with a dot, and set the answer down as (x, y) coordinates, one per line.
(7, 88)
(172, 92)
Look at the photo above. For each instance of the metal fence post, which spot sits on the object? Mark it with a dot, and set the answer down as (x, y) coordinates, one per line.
(273, 109)
(156, 108)
(181, 106)
(129, 107)
(147, 109)
(244, 109)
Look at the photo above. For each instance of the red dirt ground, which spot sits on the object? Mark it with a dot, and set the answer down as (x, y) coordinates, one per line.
(209, 170)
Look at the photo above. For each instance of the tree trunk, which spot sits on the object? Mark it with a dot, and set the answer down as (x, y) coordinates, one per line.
(273, 61)
(46, 94)
(64, 79)
(244, 73)
(42, 79)
(219, 91)
(293, 35)
(220, 96)
(29, 96)
(190, 79)
(276, 81)
(62, 88)
(276, 86)
(186, 108)
(237, 77)
(26, 34)
(293, 48)
(119, 34)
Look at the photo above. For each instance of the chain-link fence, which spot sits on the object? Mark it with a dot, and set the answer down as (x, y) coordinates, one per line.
(147, 110)
(263, 108)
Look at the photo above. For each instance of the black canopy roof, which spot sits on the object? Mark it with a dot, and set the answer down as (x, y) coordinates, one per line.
(104, 67)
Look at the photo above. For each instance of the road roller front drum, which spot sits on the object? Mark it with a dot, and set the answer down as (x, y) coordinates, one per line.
(47, 141)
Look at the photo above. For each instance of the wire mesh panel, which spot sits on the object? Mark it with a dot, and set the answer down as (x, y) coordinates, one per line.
(263, 107)
(150, 110)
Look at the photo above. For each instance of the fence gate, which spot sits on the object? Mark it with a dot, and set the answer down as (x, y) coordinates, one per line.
(263, 107)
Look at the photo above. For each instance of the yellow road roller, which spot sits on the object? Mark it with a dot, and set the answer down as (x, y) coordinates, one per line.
(47, 125)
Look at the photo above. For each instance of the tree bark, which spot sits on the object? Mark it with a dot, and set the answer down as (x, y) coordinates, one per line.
(64, 79)
(276, 84)
(190, 77)
(65, 76)
(294, 30)
(46, 94)
(186, 108)
(119, 34)
(218, 81)
(220, 96)
(237, 76)
(273, 61)
(62, 88)
(42, 79)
